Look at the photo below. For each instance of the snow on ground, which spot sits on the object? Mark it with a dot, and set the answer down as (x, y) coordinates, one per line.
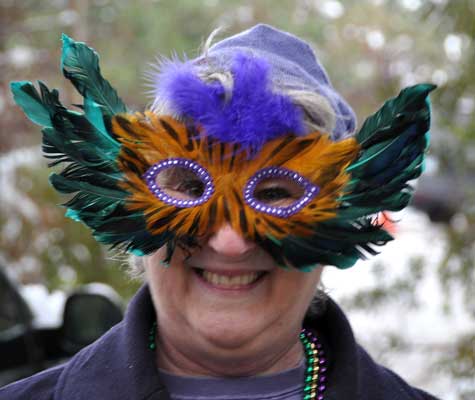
(10, 195)
(427, 326)
(47, 308)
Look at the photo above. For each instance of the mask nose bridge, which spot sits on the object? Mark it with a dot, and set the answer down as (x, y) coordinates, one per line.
(230, 188)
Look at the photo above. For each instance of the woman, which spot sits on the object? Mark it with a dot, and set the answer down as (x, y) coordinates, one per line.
(244, 178)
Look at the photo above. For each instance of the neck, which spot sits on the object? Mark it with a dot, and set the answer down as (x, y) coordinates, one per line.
(183, 357)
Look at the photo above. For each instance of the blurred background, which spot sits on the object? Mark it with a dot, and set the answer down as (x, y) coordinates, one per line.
(413, 307)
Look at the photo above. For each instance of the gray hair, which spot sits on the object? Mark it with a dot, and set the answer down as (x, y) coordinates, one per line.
(135, 267)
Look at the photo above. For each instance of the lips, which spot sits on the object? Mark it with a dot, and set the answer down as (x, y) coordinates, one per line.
(226, 280)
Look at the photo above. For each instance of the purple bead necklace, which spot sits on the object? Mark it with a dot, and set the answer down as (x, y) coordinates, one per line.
(315, 362)
(315, 378)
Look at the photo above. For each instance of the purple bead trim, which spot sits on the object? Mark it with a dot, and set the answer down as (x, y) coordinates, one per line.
(310, 189)
(322, 363)
(202, 173)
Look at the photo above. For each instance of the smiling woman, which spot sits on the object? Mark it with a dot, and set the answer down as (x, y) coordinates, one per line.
(231, 193)
(231, 299)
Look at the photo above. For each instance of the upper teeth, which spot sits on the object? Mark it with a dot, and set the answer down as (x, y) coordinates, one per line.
(226, 280)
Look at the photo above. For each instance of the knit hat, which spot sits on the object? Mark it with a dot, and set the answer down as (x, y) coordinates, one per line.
(266, 65)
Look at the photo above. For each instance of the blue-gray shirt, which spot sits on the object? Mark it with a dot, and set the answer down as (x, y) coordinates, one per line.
(287, 385)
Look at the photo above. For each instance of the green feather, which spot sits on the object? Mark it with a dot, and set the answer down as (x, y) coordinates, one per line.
(64, 185)
(393, 144)
(80, 64)
(26, 96)
(94, 116)
(393, 110)
(393, 141)
(83, 142)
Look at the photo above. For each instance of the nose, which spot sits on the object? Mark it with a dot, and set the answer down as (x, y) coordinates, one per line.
(228, 242)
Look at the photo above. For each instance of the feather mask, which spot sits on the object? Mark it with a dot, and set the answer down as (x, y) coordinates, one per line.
(141, 181)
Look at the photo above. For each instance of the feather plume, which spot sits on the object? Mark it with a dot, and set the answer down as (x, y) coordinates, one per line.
(393, 143)
(89, 150)
(250, 115)
(80, 64)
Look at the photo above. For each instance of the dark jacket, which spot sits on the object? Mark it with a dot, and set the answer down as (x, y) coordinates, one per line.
(121, 366)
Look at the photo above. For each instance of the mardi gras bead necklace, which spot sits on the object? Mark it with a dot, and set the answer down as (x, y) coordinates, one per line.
(315, 364)
(315, 377)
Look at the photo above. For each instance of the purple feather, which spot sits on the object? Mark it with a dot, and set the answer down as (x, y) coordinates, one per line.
(252, 116)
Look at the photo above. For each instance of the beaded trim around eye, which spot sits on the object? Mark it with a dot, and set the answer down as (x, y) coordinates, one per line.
(151, 175)
(310, 189)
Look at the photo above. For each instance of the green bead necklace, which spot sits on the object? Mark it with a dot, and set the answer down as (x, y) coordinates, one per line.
(315, 378)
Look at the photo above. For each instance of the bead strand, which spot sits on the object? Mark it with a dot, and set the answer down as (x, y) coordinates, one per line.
(151, 336)
(315, 378)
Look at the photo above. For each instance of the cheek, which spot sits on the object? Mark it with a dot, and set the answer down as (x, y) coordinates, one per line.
(298, 288)
(167, 283)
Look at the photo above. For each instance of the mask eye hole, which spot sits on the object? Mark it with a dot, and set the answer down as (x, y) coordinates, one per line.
(179, 182)
(278, 191)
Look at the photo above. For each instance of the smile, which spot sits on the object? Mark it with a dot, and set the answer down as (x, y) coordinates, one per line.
(229, 281)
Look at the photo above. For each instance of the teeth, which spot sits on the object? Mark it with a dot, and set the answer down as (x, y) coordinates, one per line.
(230, 281)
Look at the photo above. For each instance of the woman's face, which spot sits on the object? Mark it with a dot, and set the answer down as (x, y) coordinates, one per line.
(229, 295)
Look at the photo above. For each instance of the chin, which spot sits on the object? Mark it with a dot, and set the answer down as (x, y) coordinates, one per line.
(230, 332)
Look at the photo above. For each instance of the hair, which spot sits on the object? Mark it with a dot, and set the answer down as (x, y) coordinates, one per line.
(135, 267)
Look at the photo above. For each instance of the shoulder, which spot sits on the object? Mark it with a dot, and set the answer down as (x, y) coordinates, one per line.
(40, 386)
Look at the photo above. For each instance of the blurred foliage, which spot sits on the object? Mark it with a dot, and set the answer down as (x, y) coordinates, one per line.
(42, 246)
(371, 49)
(463, 351)
(402, 288)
